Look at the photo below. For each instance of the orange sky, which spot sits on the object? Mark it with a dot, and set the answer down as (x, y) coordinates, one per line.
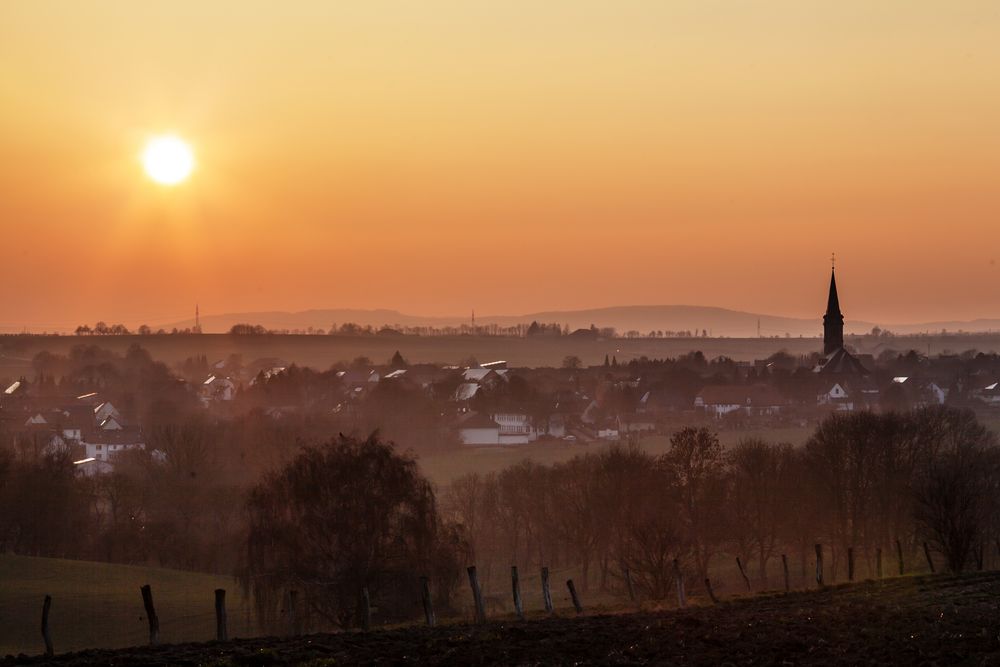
(508, 156)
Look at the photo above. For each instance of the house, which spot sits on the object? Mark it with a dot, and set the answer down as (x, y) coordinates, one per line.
(753, 400)
(216, 388)
(836, 396)
(515, 428)
(477, 429)
(105, 410)
(105, 445)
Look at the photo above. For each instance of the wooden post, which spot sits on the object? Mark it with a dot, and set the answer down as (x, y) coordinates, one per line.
(630, 585)
(746, 579)
(221, 632)
(850, 563)
(679, 578)
(978, 553)
(574, 596)
(515, 585)
(366, 609)
(547, 591)
(878, 563)
(154, 622)
(819, 565)
(899, 554)
(784, 566)
(46, 635)
(477, 595)
(711, 593)
(293, 612)
(927, 553)
(425, 597)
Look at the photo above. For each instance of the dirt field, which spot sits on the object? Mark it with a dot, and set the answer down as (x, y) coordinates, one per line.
(930, 620)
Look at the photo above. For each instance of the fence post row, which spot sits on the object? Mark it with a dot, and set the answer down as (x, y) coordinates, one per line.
(425, 595)
(515, 585)
(574, 596)
(46, 635)
(477, 595)
(547, 591)
(221, 632)
(154, 622)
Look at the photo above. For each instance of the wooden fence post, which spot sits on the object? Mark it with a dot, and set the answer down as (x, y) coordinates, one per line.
(574, 596)
(850, 563)
(878, 563)
(515, 585)
(366, 609)
(899, 554)
(739, 564)
(425, 597)
(477, 595)
(293, 612)
(154, 622)
(679, 578)
(630, 585)
(927, 553)
(547, 591)
(819, 565)
(784, 566)
(221, 632)
(46, 635)
(711, 593)
(978, 553)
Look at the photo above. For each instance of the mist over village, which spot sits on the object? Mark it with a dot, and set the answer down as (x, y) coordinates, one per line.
(499, 333)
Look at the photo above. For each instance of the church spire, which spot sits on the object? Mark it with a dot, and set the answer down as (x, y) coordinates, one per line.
(833, 321)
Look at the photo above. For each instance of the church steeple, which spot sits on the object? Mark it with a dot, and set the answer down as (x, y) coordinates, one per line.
(833, 321)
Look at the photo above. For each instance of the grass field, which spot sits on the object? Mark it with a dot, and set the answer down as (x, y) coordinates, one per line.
(443, 468)
(98, 605)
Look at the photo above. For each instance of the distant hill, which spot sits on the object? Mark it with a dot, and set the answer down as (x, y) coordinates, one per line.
(717, 321)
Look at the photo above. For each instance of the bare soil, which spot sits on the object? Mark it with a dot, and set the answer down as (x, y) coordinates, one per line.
(921, 620)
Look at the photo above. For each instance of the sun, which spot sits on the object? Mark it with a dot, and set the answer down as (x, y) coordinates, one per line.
(168, 159)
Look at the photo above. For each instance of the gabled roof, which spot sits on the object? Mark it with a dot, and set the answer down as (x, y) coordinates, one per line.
(840, 362)
(466, 391)
(476, 420)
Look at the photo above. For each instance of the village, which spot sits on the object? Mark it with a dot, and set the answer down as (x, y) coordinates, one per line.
(89, 411)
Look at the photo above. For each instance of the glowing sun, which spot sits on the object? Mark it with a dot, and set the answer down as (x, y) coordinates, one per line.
(168, 159)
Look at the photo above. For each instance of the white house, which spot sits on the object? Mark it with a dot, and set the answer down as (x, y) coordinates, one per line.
(103, 445)
(837, 397)
(216, 388)
(478, 430)
(720, 400)
(515, 428)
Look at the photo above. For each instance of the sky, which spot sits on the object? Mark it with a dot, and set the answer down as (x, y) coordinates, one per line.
(510, 157)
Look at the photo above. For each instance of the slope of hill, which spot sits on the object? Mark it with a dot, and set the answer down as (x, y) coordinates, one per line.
(942, 619)
(716, 321)
(719, 322)
(98, 605)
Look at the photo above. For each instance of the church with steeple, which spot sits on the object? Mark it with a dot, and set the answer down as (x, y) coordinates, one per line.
(836, 359)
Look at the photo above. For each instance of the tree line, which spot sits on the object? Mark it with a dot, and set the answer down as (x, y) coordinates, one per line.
(861, 482)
